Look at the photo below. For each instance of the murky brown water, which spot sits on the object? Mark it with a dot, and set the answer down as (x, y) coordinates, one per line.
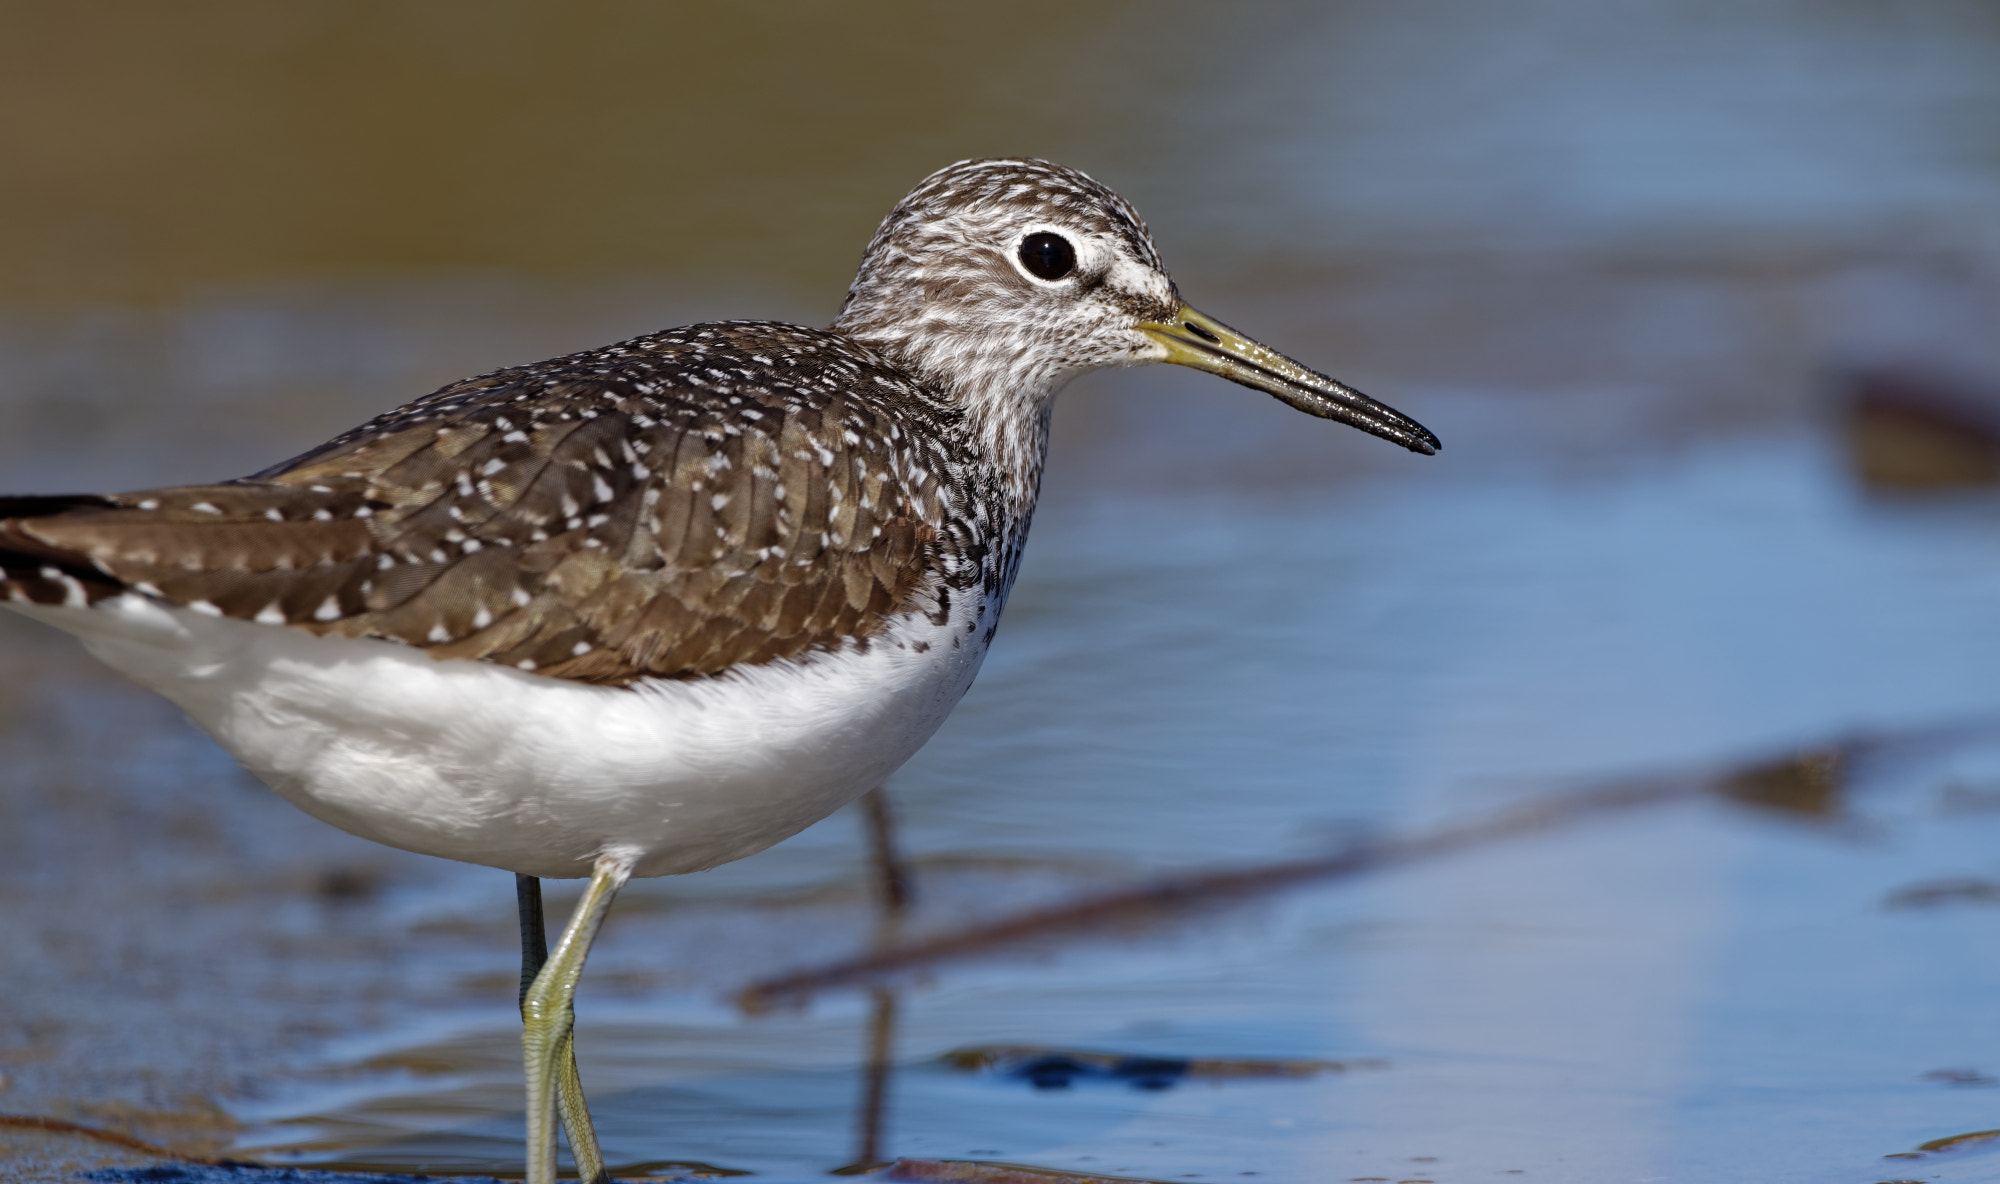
(1617, 256)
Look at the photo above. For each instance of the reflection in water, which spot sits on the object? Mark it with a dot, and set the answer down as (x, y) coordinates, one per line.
(872, 1116)
(894, 894)
(893, 884)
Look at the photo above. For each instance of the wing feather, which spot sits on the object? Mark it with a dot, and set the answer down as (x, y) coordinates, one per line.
(603, 521)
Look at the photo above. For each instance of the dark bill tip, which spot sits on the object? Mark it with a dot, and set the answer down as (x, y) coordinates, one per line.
(1194, 339)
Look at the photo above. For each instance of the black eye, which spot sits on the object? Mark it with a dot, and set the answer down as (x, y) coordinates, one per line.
(1048, 255)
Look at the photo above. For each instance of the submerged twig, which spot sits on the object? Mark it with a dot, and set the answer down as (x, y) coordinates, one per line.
(1186, 893)
(1806, 783)
(36, 1122)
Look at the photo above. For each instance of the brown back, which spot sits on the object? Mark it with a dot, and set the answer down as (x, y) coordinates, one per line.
(668, 507)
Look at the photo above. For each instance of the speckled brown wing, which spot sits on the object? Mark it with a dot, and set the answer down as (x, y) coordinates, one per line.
(670, 507)
(226, 549)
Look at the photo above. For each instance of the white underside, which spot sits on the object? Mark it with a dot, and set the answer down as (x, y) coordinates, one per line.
(477, 762)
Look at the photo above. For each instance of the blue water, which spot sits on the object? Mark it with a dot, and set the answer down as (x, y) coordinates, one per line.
(1617, 255)
(1691, 992)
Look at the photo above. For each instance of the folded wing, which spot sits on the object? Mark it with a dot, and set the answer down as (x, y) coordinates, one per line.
(572, 528)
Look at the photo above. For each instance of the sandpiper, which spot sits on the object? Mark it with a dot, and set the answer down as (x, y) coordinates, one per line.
(653, 607)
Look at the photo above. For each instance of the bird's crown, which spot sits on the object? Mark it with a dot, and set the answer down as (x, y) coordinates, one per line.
(999, 280)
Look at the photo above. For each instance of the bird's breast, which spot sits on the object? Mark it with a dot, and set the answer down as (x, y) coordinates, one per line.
(474, 761)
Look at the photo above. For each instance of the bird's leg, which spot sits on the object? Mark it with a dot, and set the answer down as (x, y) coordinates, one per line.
(892, 879)
(547, 1020)
(534, 934)
(569, 1087)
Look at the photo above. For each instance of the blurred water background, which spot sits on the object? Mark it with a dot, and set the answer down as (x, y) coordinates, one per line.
(1634, 262)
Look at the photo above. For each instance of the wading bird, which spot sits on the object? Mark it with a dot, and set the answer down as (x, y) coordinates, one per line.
(653, 607)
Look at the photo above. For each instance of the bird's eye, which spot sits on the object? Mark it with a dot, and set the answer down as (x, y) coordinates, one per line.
(1048, 256)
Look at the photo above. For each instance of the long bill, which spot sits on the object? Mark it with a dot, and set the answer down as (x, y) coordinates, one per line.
(1205, 343)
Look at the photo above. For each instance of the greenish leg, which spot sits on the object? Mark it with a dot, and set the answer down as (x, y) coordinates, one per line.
(576, 1117)
(569, 1087)
(548, 1019)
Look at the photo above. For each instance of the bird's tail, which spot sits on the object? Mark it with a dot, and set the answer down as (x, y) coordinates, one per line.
(34, 572)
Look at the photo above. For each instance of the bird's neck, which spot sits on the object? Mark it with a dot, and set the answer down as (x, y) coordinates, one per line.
(1005, 390)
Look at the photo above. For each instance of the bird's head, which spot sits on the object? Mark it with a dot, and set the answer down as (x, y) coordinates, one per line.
(1000, 280)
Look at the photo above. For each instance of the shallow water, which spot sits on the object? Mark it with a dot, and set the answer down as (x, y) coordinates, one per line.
(1619, 257)
(1698, 990)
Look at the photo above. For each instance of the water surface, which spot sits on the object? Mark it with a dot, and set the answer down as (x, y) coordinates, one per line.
(1620, 257)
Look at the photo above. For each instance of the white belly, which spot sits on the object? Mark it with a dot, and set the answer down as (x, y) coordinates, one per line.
(472, 761)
